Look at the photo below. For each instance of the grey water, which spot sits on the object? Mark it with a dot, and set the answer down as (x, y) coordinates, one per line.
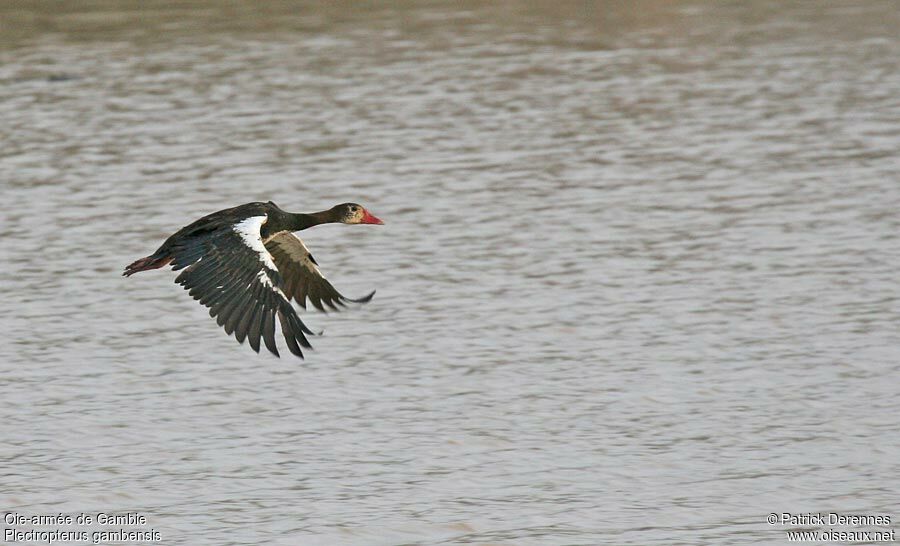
(637, 282)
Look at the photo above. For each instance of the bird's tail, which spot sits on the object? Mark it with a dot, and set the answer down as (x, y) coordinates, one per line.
(145, 264)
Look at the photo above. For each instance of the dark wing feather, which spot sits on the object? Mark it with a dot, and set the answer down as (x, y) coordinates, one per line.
(230, 271)
(302, 278)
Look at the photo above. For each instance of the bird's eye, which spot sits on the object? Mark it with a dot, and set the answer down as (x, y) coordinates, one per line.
(354, 209)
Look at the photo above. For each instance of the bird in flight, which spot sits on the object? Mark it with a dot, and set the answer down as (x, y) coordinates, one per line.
(246, 265)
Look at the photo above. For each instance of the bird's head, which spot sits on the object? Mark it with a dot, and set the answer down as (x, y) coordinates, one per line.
(351, 213)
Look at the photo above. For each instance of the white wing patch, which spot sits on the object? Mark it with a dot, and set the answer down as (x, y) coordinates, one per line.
(249, 230)
(264, 278)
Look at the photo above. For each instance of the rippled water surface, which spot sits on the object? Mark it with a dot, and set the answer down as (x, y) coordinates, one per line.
(637, 282)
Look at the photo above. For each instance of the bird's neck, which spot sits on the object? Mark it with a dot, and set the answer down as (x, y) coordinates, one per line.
(301, 221)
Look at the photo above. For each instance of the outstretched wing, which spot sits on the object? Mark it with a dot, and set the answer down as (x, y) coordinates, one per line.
(229, 270)
(301, 274)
